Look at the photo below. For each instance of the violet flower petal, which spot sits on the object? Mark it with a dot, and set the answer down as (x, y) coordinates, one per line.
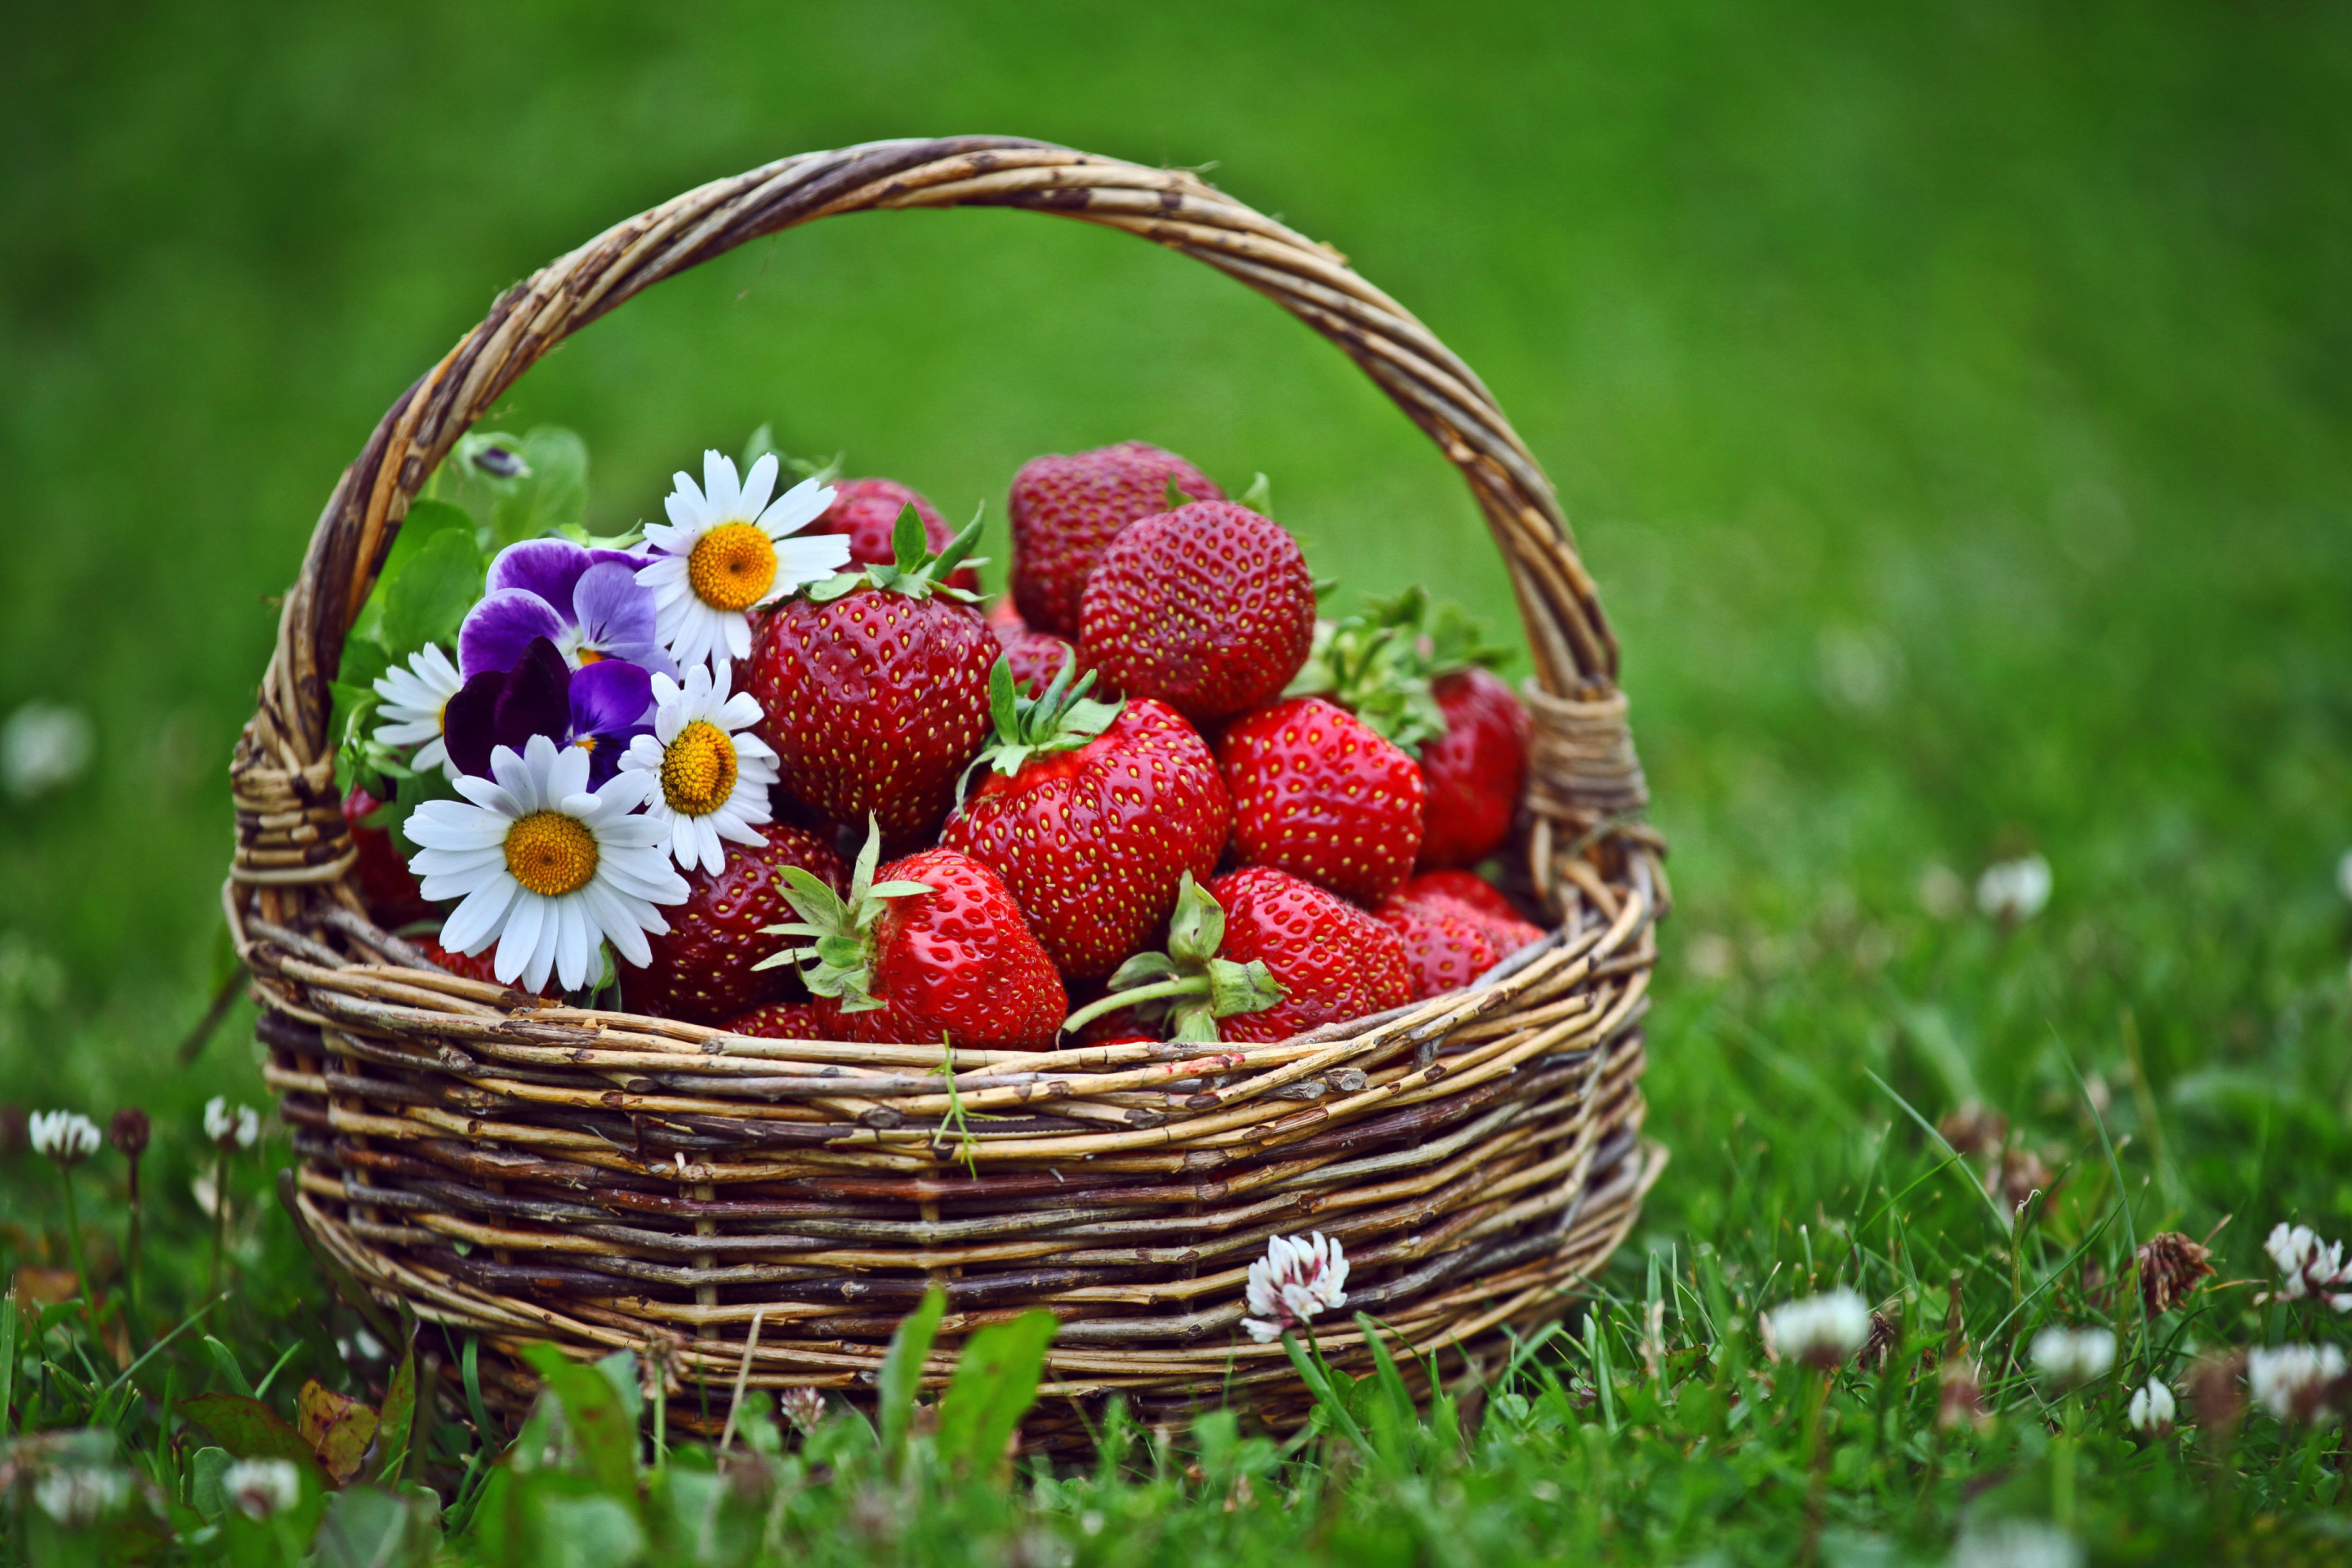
(499, 629)
(547, 567)
(616, 616)
(537, 698)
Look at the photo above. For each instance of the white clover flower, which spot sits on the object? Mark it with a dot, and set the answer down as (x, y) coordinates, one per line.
(1820, 1330)
(43, 746)
(724, 552)
(2017, 1543)
(707, 783)
(2070, 1356)
(2152, 1407)
(2291, 1380)
(231, 1126)
(66, 1136)
(549, 869)
(2014, 891)
(2309, 1266)
(258, 1489)
(416, 700)
(1296, 1278)
(81, 1495)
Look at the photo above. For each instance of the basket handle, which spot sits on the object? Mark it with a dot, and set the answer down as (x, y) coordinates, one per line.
(1584, 759)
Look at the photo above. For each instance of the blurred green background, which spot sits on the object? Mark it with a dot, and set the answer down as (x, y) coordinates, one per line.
(1954, 400)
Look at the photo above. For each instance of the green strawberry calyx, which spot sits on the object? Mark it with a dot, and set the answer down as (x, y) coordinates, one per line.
(914, 570)
(1062, 718)
(1189, 987)
(1383, 665)
(838, 960)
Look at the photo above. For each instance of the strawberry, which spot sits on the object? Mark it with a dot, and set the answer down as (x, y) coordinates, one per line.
(1467, 896)
(1445, 945)
(1317, 792)
(1416, 673)
(1209, 608)
(874, 688)
(814, 1020)
(868, 510)
(476, 967)
(1038, 657)
(1065, 509)
(386, 885)
(935, 948)
(1476, 771)
(1260, 955)
(1093, 812)
(704, 969)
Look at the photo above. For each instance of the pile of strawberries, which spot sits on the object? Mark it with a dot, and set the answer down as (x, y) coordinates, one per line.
(1147, 796)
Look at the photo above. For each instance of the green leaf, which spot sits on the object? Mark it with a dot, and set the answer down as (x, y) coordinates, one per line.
(425, 520)
(251, 1430)
(902, 1370)
(575, 1531)
(1259, 497)
(428, 601)
(763, 443)
(552, 495)
(994, 1384)
(205, 1489)
(600, 1427)
(398, 1417)
(369, 1527)
(231, 1374)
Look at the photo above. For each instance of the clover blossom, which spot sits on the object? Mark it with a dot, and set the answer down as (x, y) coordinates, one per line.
(1297, 1278)
(1819, 1330)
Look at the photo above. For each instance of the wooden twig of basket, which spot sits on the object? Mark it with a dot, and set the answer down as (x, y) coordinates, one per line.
(521, 1172)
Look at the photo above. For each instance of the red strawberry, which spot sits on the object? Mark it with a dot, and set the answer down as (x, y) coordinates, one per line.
(1462, 894)
(1445, 945)
(1463, 887)
(705, 970)
(1317, 792)
(1065, 509)
(476, 967)
(814, 1020)
(876, 699)
(1413, 671)
(386, 885)
(1038, 657)
(1209, 608)
(1260, 955)
(936, 947)
(1093, 813)
(1476, 771)
(868, 510)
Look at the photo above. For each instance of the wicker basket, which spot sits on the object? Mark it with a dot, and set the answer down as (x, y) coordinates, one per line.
(522, 1170)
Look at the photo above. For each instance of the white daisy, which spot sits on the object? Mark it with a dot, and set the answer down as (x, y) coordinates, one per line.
(546, 867)
(724, 552)
(415, 700)
(707, 782)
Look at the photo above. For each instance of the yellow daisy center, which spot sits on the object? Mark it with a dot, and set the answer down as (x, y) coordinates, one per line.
(732, 565)
(551, 854)
(697, 770)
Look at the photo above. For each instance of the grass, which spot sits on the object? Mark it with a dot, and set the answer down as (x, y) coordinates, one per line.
(1952, 400)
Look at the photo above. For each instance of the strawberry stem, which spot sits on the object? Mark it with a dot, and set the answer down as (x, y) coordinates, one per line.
(1190, 985)
(1061, 717)
(838, 962)
(1190, 982)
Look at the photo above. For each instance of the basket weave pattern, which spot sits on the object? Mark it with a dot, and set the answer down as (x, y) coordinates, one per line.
(525, 1171)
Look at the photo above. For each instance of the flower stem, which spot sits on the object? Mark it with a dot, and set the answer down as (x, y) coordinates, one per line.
(73, 1246)
(220, 1217)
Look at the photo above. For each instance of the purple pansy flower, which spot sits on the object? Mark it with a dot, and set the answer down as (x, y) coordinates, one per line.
(600, 709)
(586, 602)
